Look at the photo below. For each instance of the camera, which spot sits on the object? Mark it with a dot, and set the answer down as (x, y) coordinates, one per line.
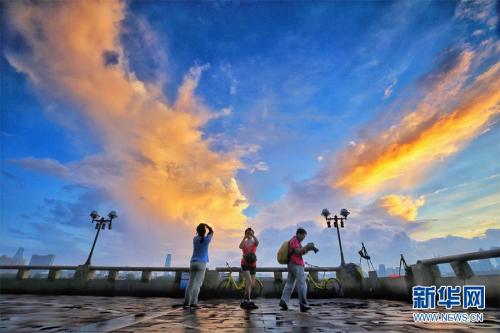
(312, 247)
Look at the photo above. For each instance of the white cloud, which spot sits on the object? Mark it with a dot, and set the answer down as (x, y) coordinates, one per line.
(44, 165)
(389, 88)
(260, 166)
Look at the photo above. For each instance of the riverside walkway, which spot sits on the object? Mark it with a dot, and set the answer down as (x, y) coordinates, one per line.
(30, 313)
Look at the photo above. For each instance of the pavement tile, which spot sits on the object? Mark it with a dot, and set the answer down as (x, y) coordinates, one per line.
(30, 313)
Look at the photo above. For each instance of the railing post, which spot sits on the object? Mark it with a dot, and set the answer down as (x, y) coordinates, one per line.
(425, 275)
(462, 269)
(112, 275)
(22, 273)
(83, 273)
(146, 276)
(54, 274)
(278, 277)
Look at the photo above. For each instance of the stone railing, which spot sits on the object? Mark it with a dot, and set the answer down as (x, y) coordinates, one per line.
(459, 262)
(427, 272)
(88, 272)
(84, 280)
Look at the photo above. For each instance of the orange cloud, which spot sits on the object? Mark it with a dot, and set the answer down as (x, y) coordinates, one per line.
(448, 118)
(166, 168)
(401, 206)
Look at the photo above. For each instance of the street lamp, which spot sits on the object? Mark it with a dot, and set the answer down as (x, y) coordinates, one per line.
(336, 220)
(100, 224)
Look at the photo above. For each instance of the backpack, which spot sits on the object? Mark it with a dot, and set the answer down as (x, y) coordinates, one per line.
(283, 254)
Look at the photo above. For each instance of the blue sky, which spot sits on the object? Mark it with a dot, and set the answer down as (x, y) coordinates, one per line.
(287, 90)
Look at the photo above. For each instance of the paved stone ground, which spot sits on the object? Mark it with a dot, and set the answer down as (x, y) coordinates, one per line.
(27, 313)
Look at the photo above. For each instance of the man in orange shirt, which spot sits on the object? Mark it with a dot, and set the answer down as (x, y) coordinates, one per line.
(296, 272)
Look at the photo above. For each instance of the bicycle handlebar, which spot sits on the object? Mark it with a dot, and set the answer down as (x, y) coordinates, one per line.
(310, 265)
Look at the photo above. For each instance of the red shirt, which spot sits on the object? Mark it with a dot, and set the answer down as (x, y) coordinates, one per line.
(294, 257)
(249, 246)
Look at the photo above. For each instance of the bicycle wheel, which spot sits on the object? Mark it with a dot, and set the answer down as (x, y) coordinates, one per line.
(312, 285)
(334, 285)
(226, 286)
(257, 289)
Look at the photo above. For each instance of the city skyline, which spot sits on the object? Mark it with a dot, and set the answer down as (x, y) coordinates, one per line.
(250, 114)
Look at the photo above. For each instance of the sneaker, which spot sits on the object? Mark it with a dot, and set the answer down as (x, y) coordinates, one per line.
(185, 306)
(252, 306)
(244, 305)
(195, 306)
(283, 305)
(304, 308)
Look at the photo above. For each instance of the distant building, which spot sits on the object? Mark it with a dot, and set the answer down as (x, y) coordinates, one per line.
(496, 260)
(5, 260)
(168, 263)
(381, 270)
(482, 265)
(41, 260)
(17, 259)
(168, 260)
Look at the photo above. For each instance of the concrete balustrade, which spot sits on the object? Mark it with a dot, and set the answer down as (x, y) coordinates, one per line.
(353, 284)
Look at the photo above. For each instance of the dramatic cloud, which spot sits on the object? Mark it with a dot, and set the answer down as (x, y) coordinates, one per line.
(384, 244)
(453, 107)
(402, 206)
(448, 117)
(154, 159)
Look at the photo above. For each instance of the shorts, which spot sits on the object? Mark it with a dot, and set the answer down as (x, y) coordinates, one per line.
(251, 269)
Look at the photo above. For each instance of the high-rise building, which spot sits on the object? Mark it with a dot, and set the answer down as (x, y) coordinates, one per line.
(168, 263)
(168, 260)
(381, 270)
(5, 260)
(482, 265)
(496, 260)
(17, 259)
(41, 260)
(19, 254)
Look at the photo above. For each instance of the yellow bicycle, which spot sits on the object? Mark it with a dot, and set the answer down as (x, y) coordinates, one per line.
(230, 284)
(324, 283)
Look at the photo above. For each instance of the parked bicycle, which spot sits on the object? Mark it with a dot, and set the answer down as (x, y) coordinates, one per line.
(230, 284)
(323, 283)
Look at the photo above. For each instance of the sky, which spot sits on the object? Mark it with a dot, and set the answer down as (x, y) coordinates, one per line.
(255, 114)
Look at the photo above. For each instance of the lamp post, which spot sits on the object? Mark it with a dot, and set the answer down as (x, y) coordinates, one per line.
(336, 220)
(100, 224)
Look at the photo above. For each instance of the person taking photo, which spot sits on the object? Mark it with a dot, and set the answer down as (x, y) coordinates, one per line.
(249, 245)
(198, 265)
